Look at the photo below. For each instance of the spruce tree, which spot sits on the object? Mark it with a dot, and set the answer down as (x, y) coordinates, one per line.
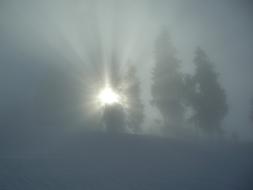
(135, 107)
(167, 88)
(208, 99)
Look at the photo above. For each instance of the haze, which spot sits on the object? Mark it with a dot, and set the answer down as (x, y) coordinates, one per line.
(43, 39)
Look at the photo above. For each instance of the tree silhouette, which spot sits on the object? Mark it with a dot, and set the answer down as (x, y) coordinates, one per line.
(167, 88)
(134, 104)
(114, 118)
(206, 97)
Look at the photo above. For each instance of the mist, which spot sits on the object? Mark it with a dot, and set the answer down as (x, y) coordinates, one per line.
(124, 94)
(79, 40)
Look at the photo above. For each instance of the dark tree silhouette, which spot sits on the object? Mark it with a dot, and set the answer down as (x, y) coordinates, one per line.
(134, 103)
(114, 118)
(167, 87)
(206, 96)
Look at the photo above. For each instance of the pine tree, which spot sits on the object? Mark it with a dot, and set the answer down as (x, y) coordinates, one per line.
(209, 99)
(167, 87)
(134, 104)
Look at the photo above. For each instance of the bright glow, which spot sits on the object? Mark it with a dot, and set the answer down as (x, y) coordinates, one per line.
(108, 97)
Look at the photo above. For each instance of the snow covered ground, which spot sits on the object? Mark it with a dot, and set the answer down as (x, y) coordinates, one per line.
(97, 161)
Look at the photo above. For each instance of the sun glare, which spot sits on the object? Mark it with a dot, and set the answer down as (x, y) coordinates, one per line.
(108, 97)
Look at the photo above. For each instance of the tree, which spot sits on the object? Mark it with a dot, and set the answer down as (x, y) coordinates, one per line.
(167, 88)
(114, 118)
(208, 98)
(134, 104)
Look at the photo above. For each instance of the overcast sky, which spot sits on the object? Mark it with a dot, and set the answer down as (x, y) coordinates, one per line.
(223, 28)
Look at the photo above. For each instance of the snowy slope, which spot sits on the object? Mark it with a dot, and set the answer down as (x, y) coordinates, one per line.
(97, 161)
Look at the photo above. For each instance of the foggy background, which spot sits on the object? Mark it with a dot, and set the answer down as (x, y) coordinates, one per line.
(55, 56)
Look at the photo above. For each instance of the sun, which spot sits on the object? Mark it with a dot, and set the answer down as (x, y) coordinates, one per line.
(108, 97)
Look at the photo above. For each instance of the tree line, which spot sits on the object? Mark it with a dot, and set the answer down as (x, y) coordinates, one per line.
(195, 102)
(184, 100)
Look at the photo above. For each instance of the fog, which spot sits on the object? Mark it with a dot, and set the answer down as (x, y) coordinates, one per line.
(57, 55)
(124, 94)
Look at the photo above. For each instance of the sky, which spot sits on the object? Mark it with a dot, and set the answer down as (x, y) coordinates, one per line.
(223, 29)
(73, 29)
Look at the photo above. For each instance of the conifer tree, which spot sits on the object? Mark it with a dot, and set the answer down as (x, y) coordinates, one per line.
(167, 88)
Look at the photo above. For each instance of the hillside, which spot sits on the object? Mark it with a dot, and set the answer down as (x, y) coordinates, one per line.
(97, 161)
